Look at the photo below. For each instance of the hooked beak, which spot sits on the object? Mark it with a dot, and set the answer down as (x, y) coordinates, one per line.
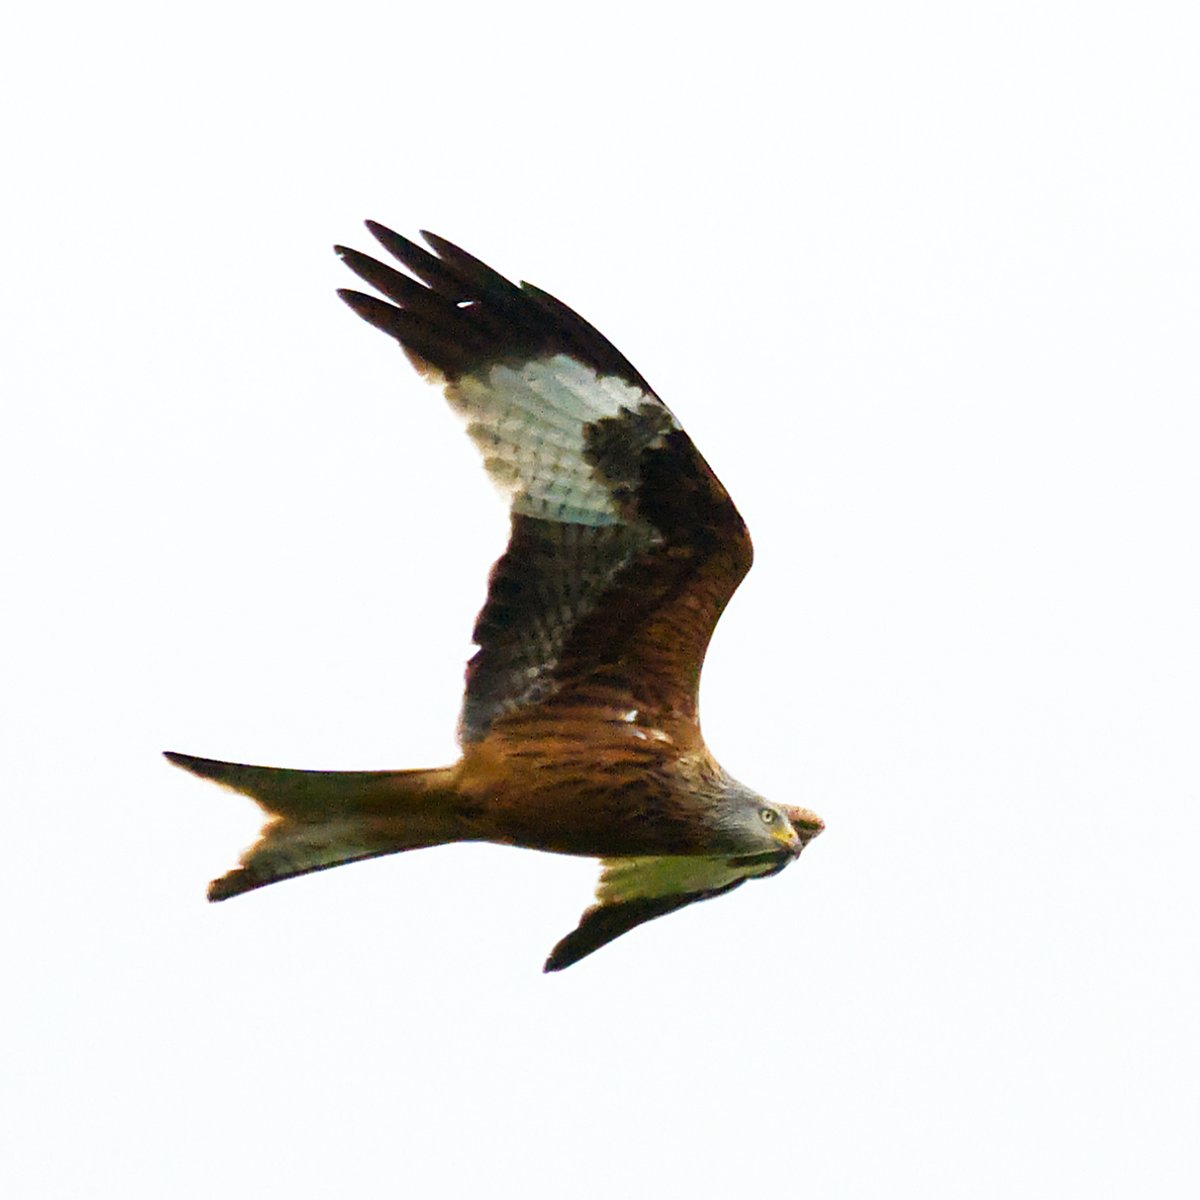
(791, 840)
(806, 825)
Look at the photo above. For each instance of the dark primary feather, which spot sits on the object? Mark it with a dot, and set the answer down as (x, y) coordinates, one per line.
(624, 605)
(504, 322)
(602, 923)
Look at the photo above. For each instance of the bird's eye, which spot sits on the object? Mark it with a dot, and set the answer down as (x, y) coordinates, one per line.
(768, 815)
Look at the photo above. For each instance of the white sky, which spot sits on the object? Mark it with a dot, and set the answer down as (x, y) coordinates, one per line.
(923, 283)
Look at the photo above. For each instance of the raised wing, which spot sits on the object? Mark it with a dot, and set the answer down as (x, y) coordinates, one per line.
(635, 890)
(625, 548)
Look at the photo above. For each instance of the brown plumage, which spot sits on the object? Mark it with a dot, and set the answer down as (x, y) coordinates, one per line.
(580, 725)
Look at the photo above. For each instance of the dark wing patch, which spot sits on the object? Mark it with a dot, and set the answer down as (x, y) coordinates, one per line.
(649, 638)
(602, 923)
(632, 891)
(549, 579)
(624, 549)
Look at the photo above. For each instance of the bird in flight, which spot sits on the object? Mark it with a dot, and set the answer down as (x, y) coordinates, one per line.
(580, 729)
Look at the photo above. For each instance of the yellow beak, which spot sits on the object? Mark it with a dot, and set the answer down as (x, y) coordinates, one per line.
(789, 839)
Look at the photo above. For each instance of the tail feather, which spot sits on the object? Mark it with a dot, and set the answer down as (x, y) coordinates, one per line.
(321, 819)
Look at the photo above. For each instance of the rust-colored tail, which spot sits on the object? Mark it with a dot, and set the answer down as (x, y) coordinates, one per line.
(320, 819)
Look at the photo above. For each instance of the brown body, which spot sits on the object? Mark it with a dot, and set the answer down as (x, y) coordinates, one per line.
(591, 781)
(596, 782)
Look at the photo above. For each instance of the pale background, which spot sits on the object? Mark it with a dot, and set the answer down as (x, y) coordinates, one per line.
(923, 282)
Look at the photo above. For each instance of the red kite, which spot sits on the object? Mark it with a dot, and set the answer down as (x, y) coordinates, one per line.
(580, 729)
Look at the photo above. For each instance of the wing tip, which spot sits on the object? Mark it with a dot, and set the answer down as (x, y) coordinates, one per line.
(442, 247)
(577, 944)
(206, 768)
(559, 959)
(374, 311)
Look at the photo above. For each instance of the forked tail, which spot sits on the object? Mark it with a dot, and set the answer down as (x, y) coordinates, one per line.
(320, 819)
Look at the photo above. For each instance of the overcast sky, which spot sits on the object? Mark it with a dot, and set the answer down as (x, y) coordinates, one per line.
(923, 283)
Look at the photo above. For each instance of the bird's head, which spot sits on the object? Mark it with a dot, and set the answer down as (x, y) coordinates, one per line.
(758, 826)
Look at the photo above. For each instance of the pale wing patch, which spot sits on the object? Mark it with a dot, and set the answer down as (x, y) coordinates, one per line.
(652, 876)
(530, 424)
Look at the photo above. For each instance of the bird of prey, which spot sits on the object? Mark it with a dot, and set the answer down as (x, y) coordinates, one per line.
(579, 729)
